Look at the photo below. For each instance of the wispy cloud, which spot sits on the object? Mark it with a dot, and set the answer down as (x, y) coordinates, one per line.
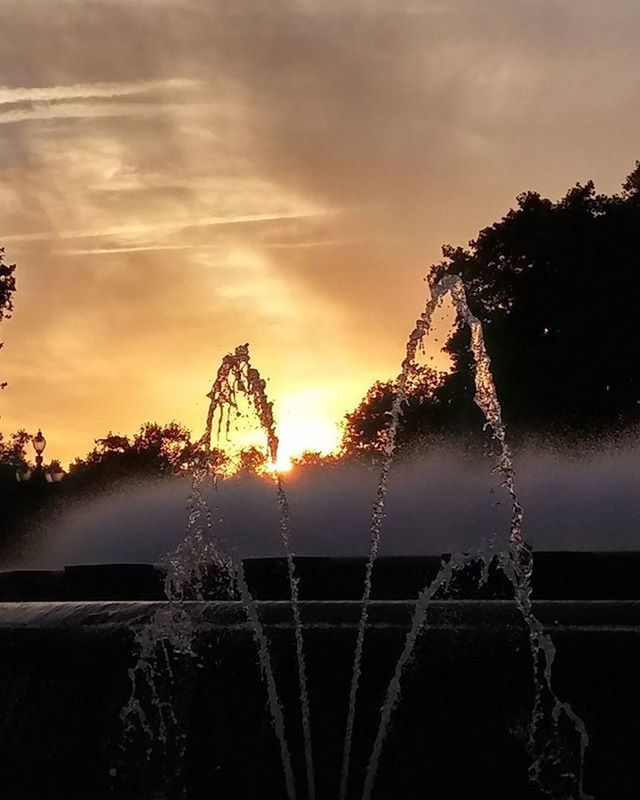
(146, 248)
(103, 251)
(82, 91)
(90, 110)
(162, 227)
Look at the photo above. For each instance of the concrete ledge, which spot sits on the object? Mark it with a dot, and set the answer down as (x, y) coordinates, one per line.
(459, 729)
(98, 616)
(557, 576)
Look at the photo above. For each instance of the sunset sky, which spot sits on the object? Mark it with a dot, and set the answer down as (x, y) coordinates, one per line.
(181, 176)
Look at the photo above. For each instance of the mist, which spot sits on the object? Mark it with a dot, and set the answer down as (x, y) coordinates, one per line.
(437, 503)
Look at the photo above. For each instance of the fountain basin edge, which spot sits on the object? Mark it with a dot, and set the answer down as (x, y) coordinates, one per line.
(459, 728)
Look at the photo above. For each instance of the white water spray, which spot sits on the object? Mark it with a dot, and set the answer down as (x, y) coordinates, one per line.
(199, 559)
(516, 562)
(236, 375)
(408, 369)
(190, 572)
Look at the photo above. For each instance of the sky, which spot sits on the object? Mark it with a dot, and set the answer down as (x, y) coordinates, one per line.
(181, 176)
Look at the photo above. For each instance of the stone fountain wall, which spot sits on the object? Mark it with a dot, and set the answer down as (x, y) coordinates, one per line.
(459, 730)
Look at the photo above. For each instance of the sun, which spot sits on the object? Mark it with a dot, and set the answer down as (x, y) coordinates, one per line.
(298, 434)
(282, 464)
(301, 428)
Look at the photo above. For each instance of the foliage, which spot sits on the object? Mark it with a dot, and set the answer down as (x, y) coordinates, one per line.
(251, 460)
(13, 452)
(556, 286)
(313, 459)
(423, 415)
(21, 502)
(7, 288)
(155, 451)
(631, 187)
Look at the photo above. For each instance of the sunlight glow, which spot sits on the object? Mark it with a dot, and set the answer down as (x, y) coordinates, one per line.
(311, 433)
(283, 464)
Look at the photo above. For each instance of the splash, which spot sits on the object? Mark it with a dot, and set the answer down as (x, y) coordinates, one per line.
(237, 376)
(545, 742)
(408, 369)
(199, 568)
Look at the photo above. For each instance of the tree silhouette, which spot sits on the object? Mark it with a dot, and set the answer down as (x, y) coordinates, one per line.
(13, 451)
(631, 187)
(7, 288)
(21, 501)
(556, 287)
(313, 459)
(424, 416)
(155, 451)
(251, 460)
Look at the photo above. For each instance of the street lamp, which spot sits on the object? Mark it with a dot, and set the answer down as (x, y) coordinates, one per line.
(39, 443)
(53, 475)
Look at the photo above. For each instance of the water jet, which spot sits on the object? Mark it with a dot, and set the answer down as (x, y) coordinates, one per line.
(457, 672)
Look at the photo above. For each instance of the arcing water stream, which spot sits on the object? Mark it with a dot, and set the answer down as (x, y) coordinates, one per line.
(237, 375)
(190, 570)
(190, 565)
(515, 561)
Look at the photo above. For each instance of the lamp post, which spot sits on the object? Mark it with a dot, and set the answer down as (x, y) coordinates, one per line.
(39, 443)
(52, 475)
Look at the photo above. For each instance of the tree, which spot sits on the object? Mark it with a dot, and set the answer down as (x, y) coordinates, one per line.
(21, 501)
(251, 461)
(313, 459)
(556, 286)
(155, 451)
(13, 451)
(631, 187)
(424, 415)
(7, 288)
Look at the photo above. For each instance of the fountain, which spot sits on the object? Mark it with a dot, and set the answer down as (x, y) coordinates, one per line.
(455, 675)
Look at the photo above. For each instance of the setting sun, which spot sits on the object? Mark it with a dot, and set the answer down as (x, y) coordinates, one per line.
(283, 464)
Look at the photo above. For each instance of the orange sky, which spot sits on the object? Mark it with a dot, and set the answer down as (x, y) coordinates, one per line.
(181, 176)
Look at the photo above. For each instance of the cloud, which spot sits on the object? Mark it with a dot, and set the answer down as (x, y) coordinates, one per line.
(83, 91)
(71, 111)
(160, 154)
(101, 251)
(159, 227)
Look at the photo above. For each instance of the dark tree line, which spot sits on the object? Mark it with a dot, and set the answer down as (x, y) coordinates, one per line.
(424, 416)
(556, 286)
(154, 453)
(7, 288)
(27, 497)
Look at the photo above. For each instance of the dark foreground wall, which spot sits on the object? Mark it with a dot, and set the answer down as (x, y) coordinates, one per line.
(556, 576)
(458, 732)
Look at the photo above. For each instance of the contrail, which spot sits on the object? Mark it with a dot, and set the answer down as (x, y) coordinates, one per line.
(164, 226)
(86, 91)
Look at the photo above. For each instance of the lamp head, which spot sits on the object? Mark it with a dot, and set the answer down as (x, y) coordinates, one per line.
(39, 442)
